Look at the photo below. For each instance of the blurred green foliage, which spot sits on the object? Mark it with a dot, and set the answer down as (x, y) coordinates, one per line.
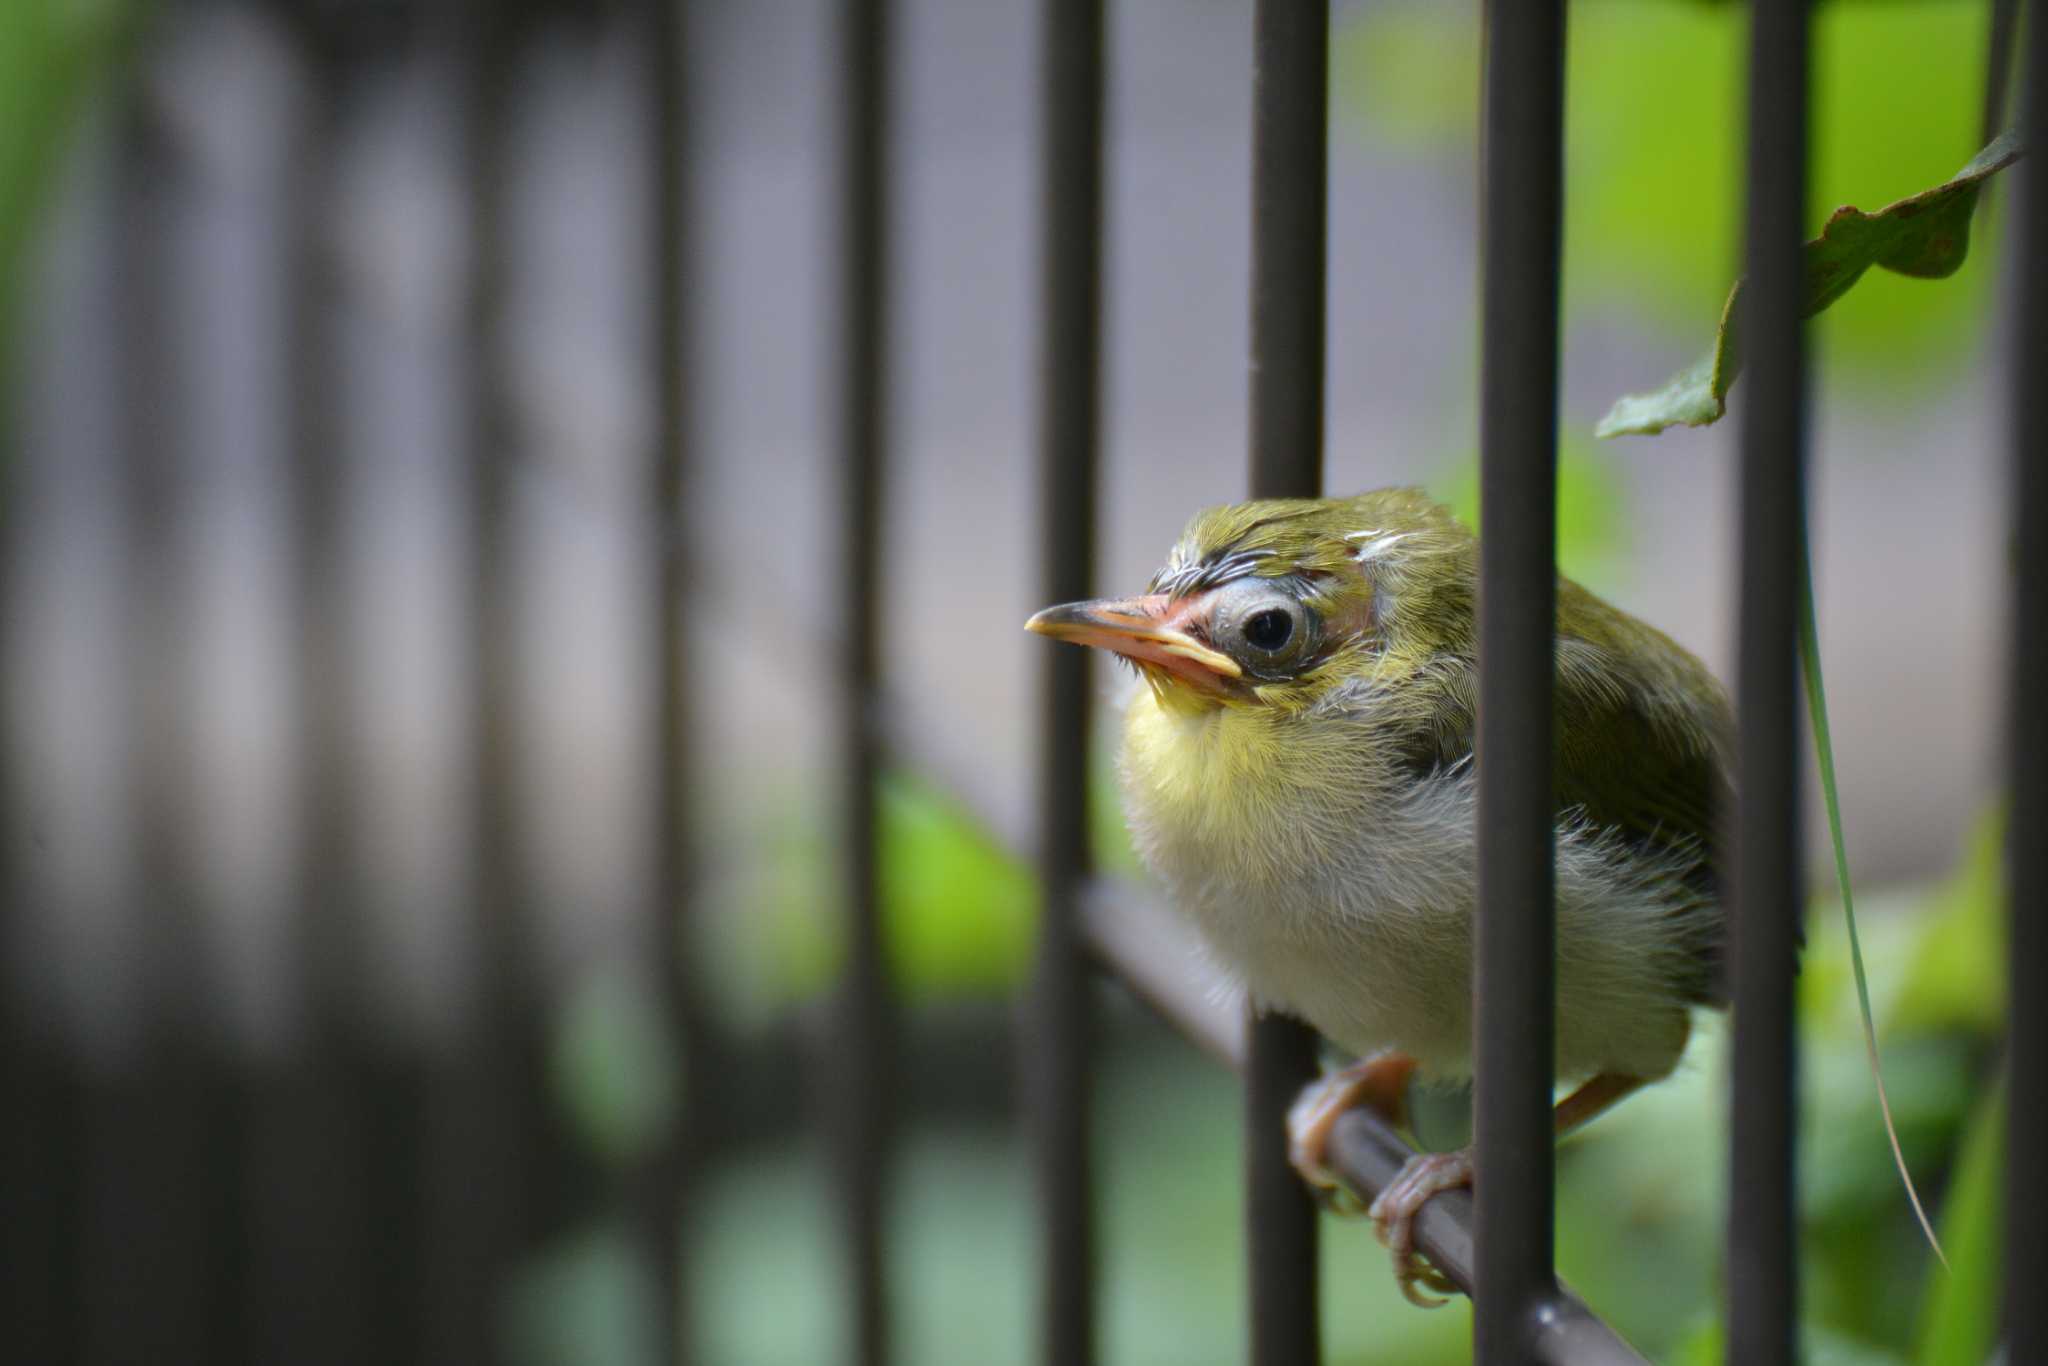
(50, 53)
(1956, 981)
(1641, 1202)
(1960, 1314)
(1592, 508)
(617, 1074)
(589, 1302)
(1654, 127)
(957, 908)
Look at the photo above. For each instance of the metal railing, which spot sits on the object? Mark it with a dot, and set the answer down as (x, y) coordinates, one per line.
(169, 1164)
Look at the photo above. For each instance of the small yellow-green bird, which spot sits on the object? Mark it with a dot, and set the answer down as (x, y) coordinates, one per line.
(1298, 772)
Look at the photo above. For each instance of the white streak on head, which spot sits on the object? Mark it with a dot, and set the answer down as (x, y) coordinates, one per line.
(1375, 543)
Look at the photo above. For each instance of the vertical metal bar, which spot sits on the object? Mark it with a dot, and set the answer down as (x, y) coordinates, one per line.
(485, 1173)
(406, 1102)
(864, 1040)
(1763, 1268)
(1069, 369)
(2005, 20)
(39, 1148)
(665, 1181)
(40, 1199)
(157, 1162)
(1290, 168)
(306, 1241)
(1514, 986)
(2026, 1260)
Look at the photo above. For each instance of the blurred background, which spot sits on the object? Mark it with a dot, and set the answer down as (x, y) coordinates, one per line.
(338, 886)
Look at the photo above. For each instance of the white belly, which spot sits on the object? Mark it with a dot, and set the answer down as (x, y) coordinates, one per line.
(1353, 909)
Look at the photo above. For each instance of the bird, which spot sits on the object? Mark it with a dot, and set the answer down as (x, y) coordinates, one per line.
(1298, 772)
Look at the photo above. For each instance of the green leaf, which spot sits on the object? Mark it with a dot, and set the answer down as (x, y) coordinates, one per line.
(1926, 236)
(1818, 1346)
(51, 54)
(1959, 1315)
(1954, 980)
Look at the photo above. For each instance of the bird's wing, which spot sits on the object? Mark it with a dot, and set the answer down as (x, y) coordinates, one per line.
(1643, 735)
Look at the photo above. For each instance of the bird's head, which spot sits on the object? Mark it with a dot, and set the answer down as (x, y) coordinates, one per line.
(1277, 602)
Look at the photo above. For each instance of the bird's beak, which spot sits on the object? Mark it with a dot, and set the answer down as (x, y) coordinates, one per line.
(1150, 630)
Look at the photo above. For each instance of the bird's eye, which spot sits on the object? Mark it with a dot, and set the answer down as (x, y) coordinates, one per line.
(1268, 630)
(1265, 627)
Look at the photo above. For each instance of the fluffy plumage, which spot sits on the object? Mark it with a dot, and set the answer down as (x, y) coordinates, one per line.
(1314, 814)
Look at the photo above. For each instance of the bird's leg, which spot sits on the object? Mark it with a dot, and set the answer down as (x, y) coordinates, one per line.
(1379, 1080)
(1427, 1174)
(1593, 1099)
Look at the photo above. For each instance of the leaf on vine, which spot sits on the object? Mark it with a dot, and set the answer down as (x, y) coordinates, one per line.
(1926, 235)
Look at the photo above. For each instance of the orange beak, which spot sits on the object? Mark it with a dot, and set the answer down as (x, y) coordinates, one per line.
(1150, 630)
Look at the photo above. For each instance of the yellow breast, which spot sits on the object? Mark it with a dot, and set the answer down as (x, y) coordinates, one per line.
(1247, 793)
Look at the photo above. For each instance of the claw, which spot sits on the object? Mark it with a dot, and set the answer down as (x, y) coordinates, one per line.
(1379, 1080)
(1393, 1215)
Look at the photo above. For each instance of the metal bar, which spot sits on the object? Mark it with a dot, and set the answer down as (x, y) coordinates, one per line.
(1061, 1025)
(156, 1186)
(1763, 1267)
(2005, 18)
(864, 1039)
(663, 1186)
(1367, 1153)
(307, 1243)
(40, 1142)
(2026, 1259)
(1141, 942)
(1290, 170)
(387, 1096)
(1514, 985)
(487, 1174)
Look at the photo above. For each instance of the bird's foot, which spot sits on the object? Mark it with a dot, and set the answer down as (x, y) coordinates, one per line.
(1393, 1216)
(1379, 1080)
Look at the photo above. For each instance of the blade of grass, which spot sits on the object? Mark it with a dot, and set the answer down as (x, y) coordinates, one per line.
(1824, 755)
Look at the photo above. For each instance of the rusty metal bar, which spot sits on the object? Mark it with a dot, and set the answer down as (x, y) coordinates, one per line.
(2026, 1194)
(1763, 1264)
(863, 1042)
(1514, 983)
(1070, 347)
(1290, 174)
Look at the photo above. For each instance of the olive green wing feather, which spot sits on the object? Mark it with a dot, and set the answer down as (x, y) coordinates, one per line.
(1643, 744)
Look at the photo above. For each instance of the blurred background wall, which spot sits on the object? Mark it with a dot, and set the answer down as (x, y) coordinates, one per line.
(236, 691)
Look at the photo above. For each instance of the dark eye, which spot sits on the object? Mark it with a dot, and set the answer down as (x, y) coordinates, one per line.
(1269, 630)
(1264, 627)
